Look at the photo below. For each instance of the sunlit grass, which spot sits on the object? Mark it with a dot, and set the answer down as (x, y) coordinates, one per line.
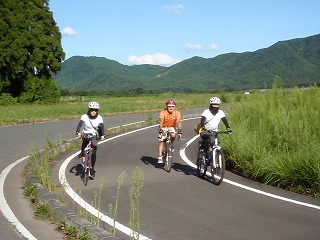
(73, 108)
(276, 138)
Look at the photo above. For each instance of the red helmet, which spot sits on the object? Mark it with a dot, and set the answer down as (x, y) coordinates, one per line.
(170, 103)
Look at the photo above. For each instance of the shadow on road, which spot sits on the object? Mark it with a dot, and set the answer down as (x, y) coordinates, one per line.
(77, 170)
(178, 167)
(186, 169)
(149, 160)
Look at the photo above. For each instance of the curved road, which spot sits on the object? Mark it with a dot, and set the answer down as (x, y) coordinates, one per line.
(15, 143)
(176, 205)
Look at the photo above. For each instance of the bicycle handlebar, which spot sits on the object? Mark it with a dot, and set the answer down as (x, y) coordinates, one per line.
(88, 135)
(217, 131)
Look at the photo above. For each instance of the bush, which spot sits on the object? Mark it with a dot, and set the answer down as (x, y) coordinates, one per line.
(7, 99)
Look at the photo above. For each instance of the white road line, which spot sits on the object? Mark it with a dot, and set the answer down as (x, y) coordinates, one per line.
(5, 208)
(7, 212)
(184, 157)
(126, 230)
(63, 180)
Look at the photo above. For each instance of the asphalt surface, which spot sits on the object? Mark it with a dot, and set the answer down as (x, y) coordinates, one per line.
(175, 205)
(179, 205)
(15, 143)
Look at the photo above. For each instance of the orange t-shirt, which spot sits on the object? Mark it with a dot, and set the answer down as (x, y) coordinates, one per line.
(169, 119)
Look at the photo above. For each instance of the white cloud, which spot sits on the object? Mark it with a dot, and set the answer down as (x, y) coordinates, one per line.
(197, 47)
(68, 31)
(175, 9)
(154, 59)
(213, 47)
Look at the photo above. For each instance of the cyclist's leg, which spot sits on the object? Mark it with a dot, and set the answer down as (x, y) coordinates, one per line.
(173, 134)
(93, 160)
(162, 139)
(83, 145)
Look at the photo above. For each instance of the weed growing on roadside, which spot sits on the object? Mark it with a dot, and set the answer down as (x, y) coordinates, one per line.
(135, 194)
(69, 230)
(121, 179)
(31, 191)
(44, 212)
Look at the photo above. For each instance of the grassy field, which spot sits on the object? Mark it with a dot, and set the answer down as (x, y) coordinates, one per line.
(277, 137)
(73, 107)
(276, 132)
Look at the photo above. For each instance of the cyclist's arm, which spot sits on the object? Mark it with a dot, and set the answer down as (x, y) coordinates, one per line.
(225, 121)
(202, 121)
(161, 119)
(101, 127)
(79, 126)
(179, 123)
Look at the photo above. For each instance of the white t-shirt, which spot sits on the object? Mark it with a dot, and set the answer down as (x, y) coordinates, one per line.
(89, 127)
(214, 120)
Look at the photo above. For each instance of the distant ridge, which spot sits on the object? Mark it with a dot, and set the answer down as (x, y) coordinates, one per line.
(296, 61)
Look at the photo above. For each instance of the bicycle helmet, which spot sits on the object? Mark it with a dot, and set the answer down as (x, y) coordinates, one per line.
(170, 103)
(215, 101)
(93, 105)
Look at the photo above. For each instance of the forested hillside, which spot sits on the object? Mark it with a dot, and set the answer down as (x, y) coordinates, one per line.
(296, 61)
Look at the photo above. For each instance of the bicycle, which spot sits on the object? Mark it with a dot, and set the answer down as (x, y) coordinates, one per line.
(211, 155)
(167, 152)
(86, 159)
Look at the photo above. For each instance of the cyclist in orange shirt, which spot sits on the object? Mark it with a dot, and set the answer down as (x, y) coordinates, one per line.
(170, 119)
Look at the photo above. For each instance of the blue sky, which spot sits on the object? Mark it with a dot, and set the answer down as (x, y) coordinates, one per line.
(164, 32)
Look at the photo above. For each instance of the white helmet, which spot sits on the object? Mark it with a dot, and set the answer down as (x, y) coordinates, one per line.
(93, 105)
(215, 100)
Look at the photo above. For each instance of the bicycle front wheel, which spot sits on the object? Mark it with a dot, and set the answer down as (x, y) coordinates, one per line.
(86, 168)
(201, 163)
(168, 158)
(217, 167)
(86, 176)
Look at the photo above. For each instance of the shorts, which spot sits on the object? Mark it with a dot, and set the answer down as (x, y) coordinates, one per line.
(162, 137)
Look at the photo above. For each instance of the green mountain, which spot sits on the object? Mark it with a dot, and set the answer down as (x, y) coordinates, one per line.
(296, 61)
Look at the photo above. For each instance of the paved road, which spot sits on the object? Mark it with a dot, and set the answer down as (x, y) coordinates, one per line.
(175, 205)
(15, 143)
(180, 206)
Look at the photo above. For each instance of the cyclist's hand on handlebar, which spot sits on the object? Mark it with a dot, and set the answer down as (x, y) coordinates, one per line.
(229, 131)
(78, 135)
(179, 133)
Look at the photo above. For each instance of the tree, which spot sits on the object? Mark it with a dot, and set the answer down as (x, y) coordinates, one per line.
(30, 46)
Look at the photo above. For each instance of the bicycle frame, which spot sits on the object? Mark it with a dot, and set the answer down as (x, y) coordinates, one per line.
(167, 152)
(212, 156)
(86, 160)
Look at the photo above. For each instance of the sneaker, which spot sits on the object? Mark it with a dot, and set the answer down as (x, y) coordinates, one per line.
(160, 160)
(91, 174)
(80, 155)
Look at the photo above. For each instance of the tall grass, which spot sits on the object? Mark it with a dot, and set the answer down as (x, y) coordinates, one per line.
(276, 138)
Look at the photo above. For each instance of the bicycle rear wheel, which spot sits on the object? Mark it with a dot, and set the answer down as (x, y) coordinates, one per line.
(201, 163)
(168, 158)
(217, 167)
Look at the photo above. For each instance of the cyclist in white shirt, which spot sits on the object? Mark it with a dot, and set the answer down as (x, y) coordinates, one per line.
(92, 123)
(210, 120)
